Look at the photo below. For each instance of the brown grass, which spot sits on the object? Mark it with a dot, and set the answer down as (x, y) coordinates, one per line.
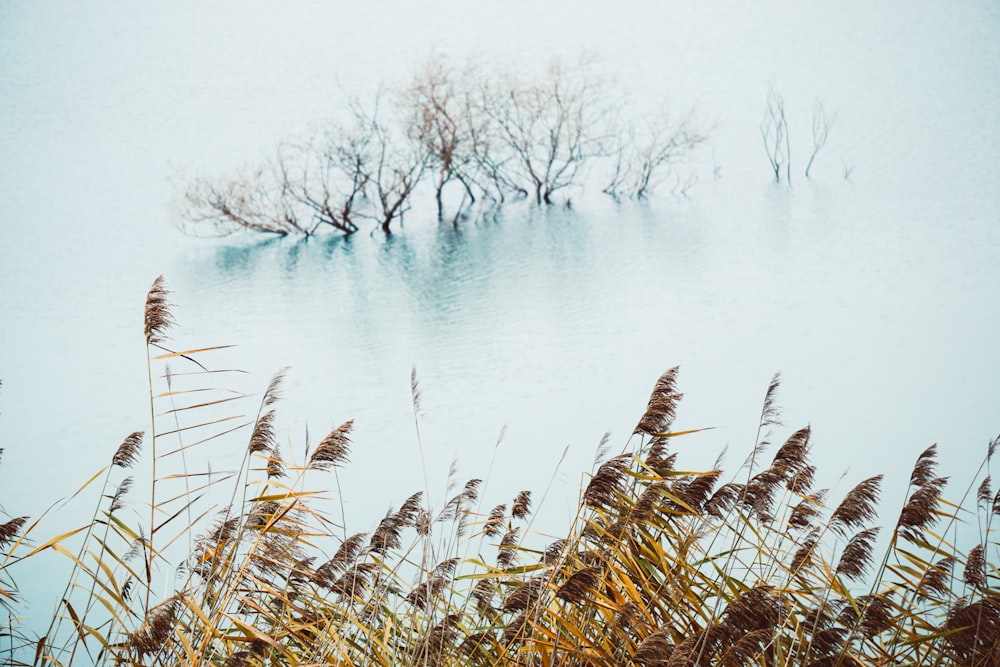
(660, 567)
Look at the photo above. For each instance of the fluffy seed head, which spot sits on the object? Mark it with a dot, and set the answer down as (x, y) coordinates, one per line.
(334, 448)
(158, 317)
(937, 579)
(128, 452)
(662, 406)
(494, 522)
(975, 568)
(9, 530)
(521, 506)
(858, 506)
(858, 555)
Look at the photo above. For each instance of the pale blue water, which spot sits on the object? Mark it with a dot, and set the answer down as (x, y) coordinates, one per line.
(878, 296)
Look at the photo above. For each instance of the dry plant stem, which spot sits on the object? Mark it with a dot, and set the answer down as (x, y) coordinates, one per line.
(769, 415)
(57, 617)
(876, 582)
(340, 501)
(149, 551)
(183, 450)
(91, 599)
(774, 132)
(951, 524)
(415, 401)
(821, 124)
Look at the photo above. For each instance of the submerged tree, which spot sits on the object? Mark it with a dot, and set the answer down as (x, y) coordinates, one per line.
(551, 127)
(777, 143)
(440, 122)
(774, 132)
(396, 168)
(496, 136)
(329, 175)
(645, 152)
(821, 124)
(257, 199)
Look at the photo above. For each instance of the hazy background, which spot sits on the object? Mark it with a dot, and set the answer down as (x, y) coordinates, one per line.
(875, 295)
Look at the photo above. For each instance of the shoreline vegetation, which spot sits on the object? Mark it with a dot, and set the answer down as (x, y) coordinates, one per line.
(661, 566)
(469, 138)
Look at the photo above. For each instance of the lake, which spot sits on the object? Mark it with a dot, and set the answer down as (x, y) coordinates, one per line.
(874, 286)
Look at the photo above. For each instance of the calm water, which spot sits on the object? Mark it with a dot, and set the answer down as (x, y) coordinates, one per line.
(877, 296)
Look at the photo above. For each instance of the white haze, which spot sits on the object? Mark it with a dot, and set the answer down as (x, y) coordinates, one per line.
(877, 296)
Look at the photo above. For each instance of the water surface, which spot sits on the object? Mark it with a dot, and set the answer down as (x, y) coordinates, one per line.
(876, 295)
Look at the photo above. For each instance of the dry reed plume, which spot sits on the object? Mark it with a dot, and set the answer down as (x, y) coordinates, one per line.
(661, 566)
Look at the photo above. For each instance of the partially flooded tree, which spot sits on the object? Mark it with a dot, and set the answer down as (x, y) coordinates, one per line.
(646, 153)
(821, 124)
(306, 185)
(774, 132)
(341, 175)
(487, 138)
(329, 174)
(396, 165)
(550, 128)
(494, 174)
(257, 200)
(439, 120)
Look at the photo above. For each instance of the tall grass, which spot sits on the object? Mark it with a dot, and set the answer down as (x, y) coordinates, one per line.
(660, 566)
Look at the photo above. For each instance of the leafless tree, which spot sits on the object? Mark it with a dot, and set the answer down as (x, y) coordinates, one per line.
(821, 124)
(341, 175)
(255, 200)
(493, 137)
(397, 164)
(774, 132)
(646, 152)
(494, 173)
(440, 121)
(550, 128)
(319, 182)
(328, 175)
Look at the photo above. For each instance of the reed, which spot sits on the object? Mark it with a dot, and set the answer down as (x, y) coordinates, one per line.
(661, 566)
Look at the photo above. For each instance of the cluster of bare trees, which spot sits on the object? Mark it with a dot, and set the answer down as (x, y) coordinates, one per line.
(774, 132)
(471, 137)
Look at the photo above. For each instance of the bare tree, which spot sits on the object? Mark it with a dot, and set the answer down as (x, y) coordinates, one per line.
(821, 124)
(255, 200)
(774, 132)
(439, 121)
(493, 137)
(306, 185)
(364, 170)
(550, 128)
(329, 175)
(646, 153)
(397, 165)
(494, 174)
